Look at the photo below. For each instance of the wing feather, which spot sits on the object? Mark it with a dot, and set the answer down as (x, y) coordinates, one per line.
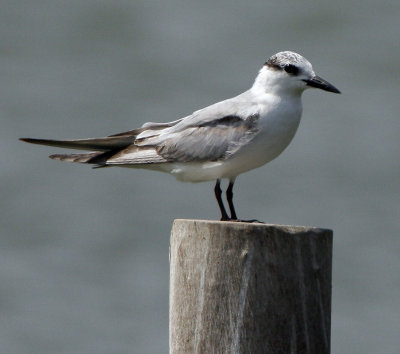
(96, 144)
(212, 133)
(210, 141)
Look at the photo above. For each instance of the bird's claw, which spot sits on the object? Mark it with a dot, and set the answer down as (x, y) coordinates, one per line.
(240, 220)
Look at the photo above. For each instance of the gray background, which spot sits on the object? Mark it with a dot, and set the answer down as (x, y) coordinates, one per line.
(84, 253)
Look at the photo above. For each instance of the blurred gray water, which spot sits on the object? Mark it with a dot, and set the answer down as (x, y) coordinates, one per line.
(84, 253)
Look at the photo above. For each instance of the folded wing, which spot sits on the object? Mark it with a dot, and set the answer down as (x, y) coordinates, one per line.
(213, 133)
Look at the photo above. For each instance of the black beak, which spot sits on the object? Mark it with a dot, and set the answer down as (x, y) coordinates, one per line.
(322, 84)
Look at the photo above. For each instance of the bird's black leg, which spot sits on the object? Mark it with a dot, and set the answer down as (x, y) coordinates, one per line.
(229, 197)
(218, 193)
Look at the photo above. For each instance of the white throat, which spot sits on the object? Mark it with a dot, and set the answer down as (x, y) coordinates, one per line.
(270, 81)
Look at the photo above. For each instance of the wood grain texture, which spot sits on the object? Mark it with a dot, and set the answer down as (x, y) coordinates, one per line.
(249, 288)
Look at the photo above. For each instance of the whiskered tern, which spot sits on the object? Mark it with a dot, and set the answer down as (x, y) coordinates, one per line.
(217, 142)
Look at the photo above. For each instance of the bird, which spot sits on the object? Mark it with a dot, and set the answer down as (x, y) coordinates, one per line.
(220, 141)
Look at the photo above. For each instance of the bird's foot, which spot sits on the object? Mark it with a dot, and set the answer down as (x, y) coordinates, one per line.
(240, 220)
(251, 221)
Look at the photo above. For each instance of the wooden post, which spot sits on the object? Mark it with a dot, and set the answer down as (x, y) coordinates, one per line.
(249, 288)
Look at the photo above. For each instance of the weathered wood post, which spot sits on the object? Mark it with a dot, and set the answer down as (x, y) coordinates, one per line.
(249, 288)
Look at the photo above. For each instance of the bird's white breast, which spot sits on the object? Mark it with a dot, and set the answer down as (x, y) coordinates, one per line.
(278, 121)
(278, 124)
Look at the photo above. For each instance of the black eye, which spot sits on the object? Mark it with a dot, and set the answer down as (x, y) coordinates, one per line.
(291, 69)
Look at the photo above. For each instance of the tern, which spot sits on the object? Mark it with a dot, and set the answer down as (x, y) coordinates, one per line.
(217, 142)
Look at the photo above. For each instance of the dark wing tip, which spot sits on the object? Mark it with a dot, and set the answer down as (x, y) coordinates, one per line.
(35, 141)
(27, 140)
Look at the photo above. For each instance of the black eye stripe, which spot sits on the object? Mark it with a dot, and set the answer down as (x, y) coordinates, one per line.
(291, 69)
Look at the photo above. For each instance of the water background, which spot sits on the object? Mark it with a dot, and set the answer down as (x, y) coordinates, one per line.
(84, 253)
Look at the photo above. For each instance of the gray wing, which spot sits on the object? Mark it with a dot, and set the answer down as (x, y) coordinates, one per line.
(212, 133)
(211, 141)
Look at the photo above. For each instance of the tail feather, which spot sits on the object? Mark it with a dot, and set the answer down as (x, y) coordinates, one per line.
(96, 158)
(81, 158)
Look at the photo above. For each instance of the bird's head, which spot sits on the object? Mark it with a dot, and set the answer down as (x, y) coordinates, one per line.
(289, 72)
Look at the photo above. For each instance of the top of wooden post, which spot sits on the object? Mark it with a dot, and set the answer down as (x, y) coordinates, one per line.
(292, 229)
